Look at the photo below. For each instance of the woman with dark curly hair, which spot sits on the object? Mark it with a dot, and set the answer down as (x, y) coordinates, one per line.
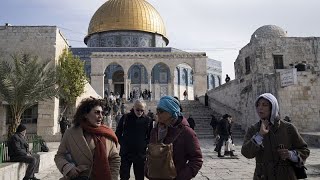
(89, 150)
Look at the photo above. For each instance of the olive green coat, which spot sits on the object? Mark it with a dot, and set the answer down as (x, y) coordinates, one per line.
(268, 162)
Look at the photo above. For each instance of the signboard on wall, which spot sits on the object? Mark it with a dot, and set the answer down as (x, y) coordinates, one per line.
(288, 77)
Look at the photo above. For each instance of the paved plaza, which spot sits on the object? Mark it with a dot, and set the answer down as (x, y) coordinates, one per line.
(215, 168)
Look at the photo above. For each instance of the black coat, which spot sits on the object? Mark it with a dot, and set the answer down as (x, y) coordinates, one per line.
(224, 128)
(18, 146)
(133, 134)
(191, 122)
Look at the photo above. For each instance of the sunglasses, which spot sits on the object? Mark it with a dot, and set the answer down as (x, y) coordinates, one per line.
(159, 111)
(139, 110)
(97, 112)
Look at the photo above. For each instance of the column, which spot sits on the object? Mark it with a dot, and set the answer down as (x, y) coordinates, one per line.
(171, 84)
(97, 83)
(125, 85)
(200, 84)
(149, 84)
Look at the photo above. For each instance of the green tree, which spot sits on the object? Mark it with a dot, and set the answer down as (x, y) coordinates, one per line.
(23, 83)
(71, 79)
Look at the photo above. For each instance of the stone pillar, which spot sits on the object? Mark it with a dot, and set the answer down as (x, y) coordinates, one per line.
(171, 84)
(200, 76)
(48, 116)
(126, 92)
(149, 84)
(149, 81)
(200, 84)
(97, 82)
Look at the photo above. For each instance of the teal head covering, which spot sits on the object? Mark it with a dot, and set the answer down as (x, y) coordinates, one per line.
(170, 105)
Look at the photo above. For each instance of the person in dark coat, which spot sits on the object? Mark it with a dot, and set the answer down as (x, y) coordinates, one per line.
(64, 125)
(224, 131)
(206, 99)
(191, 122)
(133, 132)
(227, 78)
(213, 124)
(275, 144)
(19, 152)
(187, 154)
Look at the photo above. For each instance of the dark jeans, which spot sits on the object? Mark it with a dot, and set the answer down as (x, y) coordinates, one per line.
(220, 143)
(138, 166)
(32, 161)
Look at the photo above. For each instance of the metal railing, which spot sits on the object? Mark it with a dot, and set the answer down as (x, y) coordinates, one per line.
(4, 152)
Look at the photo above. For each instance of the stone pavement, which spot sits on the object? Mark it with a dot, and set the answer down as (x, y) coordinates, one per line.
(215, 168)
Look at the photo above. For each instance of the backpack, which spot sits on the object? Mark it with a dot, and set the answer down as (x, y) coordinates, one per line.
(43, 146)
(159, 161)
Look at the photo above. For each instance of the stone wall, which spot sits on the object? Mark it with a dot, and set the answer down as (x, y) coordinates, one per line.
(293, 49)
(301, 102)
(47, 43)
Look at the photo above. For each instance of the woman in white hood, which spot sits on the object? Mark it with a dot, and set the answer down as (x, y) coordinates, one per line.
(275, 144)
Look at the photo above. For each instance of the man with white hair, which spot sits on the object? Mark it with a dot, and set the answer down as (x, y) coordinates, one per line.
(133, 132)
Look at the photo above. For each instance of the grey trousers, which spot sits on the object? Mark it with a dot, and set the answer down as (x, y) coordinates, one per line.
(32, 161)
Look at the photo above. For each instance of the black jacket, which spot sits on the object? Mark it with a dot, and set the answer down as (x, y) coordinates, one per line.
(191, 122)
(134, 133)
(18, 146)
(224, 128)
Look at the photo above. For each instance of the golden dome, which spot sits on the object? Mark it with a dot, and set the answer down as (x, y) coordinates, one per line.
(136, 15)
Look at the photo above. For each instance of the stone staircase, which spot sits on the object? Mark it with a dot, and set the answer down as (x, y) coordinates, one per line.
(202, 116)
(200, 113)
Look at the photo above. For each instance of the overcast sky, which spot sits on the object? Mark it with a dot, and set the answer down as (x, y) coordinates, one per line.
(218, 27)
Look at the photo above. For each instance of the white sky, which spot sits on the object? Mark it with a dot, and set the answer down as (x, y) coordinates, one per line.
(218, 27)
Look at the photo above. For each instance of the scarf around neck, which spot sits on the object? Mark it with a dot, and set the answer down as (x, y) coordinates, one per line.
(101, 167)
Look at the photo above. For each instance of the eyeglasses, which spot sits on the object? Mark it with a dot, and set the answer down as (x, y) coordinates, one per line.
(159, 111)
(139, 110)
(98, 112)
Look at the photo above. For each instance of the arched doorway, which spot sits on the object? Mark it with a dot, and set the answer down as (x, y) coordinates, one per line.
(114, 80)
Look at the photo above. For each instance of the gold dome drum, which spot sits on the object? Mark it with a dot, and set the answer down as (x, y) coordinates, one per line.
(132, 15)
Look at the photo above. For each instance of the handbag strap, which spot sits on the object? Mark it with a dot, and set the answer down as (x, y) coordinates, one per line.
(181, 129)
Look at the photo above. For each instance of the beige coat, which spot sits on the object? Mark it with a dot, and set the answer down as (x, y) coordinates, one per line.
(268, 163)
(81, 147)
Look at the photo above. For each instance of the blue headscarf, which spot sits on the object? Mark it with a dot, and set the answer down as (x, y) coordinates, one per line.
(170, 105)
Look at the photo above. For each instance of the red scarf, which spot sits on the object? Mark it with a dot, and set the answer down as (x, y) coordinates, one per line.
(101, 167)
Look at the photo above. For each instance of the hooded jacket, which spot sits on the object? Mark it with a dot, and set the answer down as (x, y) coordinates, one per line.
(269, 165)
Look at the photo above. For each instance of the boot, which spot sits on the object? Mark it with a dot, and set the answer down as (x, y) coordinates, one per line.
(232, 154)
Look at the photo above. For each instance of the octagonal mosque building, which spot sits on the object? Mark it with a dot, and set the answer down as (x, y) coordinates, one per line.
(127, 52)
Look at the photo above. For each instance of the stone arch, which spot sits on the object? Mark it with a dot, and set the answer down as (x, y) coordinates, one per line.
(138, 74)
(160, 74)
(184, 77)
(161, 78)
(114, 79)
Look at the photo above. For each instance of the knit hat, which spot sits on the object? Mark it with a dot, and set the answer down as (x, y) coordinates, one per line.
(21, 128)
(170, 105)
